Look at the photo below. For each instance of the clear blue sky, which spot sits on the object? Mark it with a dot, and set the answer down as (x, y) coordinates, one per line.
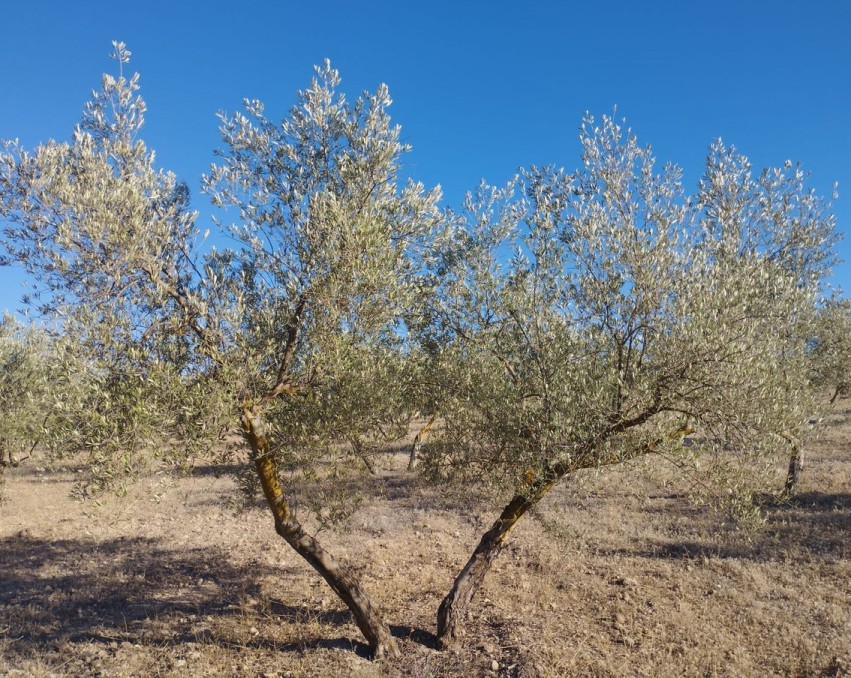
(479, 88)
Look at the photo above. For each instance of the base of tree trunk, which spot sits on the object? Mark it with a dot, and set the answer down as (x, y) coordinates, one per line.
(339, 577)
(452, 613)
(793, 474)
(417, 445)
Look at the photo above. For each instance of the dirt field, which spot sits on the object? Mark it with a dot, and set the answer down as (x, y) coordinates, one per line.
(620, 576)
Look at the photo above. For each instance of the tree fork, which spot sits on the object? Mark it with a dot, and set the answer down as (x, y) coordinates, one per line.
(339, 577)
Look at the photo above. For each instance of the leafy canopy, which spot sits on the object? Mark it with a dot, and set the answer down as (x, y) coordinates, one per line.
(583, 319)
(302, 318)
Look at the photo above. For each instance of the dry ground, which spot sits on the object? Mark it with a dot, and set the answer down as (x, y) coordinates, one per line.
(618, 577)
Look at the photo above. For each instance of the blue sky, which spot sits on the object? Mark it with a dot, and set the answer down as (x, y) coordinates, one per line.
(479, 88)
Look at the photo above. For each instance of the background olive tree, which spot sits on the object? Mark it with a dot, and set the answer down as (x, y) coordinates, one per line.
(25, 363)
(829, 356)
(582, 320)
(294, 335)
(830, 349)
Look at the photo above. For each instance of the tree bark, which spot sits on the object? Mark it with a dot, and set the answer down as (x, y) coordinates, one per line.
(339, 577)
(796, 466)
(418, 443)
(453, 610)
(362, 454)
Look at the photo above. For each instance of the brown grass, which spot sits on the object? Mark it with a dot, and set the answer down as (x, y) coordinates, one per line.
(619, 576)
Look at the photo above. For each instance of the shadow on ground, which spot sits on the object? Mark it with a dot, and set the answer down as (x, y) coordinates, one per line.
(807, 525)
(56, 592)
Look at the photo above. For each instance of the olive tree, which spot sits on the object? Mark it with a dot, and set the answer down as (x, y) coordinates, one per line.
(829, 357)
(24, 375)
(830, 348)
(294, 335)
(585, 319)
(46, 400)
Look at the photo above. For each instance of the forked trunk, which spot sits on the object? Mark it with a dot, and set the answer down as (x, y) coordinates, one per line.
(339, 577)
(453, 610)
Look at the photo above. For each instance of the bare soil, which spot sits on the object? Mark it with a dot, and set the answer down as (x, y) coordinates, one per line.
(616, 576)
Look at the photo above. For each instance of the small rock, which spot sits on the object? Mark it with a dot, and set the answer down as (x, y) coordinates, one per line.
(495, 665)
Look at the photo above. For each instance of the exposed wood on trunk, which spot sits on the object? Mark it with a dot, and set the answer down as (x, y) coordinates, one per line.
(339, 577)
(416, 447)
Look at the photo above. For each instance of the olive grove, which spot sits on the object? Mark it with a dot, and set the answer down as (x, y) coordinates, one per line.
(563, 322)
(830, 348)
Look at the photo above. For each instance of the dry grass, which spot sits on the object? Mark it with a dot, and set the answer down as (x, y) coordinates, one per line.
(619, 577)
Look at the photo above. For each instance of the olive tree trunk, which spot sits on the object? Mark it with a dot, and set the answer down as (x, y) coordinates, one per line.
(339, 577)
(796, 466)
(453, 610)
(362, 453)
(417, 445)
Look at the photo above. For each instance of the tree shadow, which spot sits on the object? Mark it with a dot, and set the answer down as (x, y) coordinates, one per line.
(54, 592)
(300, 615)
(415, 635)
(806, 525)
(820, 501)
(214, 470)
